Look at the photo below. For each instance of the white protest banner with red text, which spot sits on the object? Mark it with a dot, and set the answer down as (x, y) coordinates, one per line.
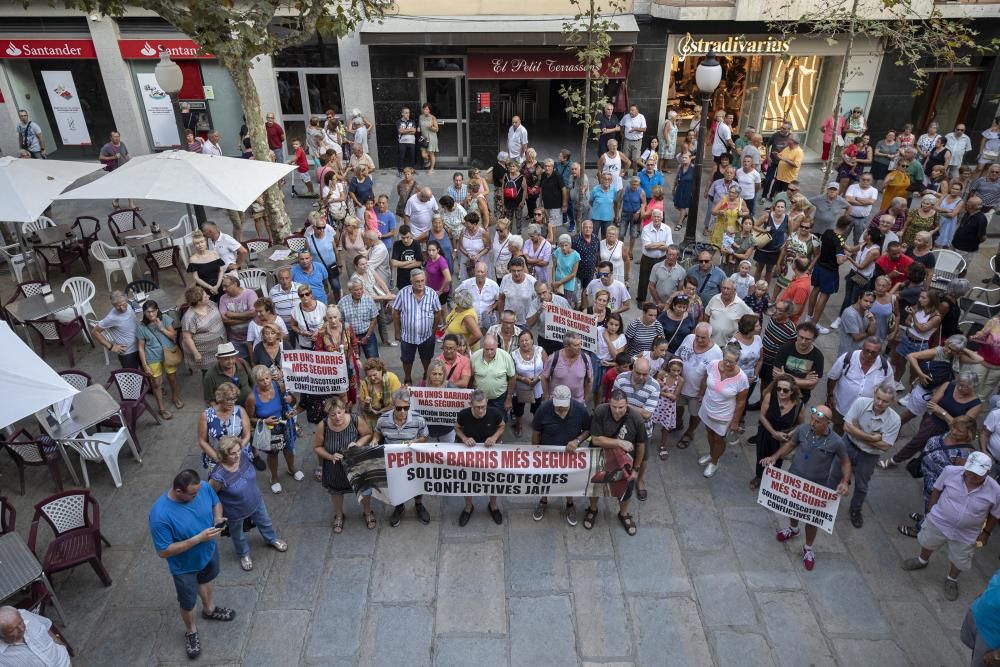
(503, 470)
(561, 321)
(439, 406)
(312, 372)
(798, 498)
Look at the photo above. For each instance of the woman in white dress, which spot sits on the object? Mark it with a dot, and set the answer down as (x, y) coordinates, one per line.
(500, 252)
(614, 251)
(473, 246)
(529, 359)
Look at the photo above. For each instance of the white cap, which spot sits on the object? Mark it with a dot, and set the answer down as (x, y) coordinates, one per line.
(833, 185)
(978, 463)
(561, 396)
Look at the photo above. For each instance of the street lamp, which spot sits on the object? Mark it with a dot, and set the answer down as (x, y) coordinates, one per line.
(707, 76)
(170, 79)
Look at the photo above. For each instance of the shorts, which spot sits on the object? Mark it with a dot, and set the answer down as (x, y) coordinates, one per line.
(826, 280)
(156, 369)
(303, 176)
(907, 345)
(691, 403)
(408, 351)
(766, 257)
(931, 537)
(187, 583)
(630, 227)
(555, 216)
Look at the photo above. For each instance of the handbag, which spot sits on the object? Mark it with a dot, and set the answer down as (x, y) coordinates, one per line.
(762, 239)
(858, 279)
(172, 356)
(261, 437)
(422, 141)
(915, 465)
(840, 141)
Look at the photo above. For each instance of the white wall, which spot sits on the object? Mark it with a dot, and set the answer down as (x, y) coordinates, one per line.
(356, 83)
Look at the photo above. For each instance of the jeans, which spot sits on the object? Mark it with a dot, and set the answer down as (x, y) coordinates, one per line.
(371, 347)
(863, 465)
(38, 155)
(279, 155)
(500, 404)
(407, 154)
(858, 227)
(263, 521)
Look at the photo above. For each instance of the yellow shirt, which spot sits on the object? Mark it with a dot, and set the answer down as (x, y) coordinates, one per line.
(379, 397)
(786, 172)
(456, 324)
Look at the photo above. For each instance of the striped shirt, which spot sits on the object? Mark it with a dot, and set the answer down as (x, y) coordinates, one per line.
(646, 397)
(284, 302)
(416, 316)
(640, 336)
(392, 434)
(359, 314)
(775, 336)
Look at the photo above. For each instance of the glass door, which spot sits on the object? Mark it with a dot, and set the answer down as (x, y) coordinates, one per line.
(444, 88)
(305, 93)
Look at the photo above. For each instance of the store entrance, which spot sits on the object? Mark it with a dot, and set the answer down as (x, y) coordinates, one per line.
(305, 93)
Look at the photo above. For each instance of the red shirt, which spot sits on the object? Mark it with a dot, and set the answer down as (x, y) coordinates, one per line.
(888, 265)
(275, 135)
(798, 293)
(300, 160)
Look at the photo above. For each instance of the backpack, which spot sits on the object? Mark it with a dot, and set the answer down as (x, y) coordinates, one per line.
(555, 362)
(846, 365)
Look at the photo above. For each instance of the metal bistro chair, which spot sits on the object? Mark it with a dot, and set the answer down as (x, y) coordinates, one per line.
(8, 516)
(164, 258)
(27, 450)
(114, 259)
(75, 520)
(102, 447)
(125, 220)
(255, 279)
(255, 247)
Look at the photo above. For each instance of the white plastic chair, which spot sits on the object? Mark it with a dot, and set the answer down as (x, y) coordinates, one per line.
(184, 244)
(107, 255)
(948, 265)
(83, 291)
(255, 279)
(184, 223)
(34, 225)
(16, 259)
(102, 447)
(91, 323)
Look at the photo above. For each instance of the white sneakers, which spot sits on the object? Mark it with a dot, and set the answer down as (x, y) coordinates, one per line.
(298, 476)
(823, 330)
(710, 469)
(276, 487)
(835, 324)
(705, 459)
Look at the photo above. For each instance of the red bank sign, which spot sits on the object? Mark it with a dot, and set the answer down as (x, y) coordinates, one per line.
(47, 48)
(556, 65)
(137, 49)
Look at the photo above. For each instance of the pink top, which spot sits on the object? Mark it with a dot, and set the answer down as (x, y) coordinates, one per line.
(959, 513)
(435, 272)
(828, 129)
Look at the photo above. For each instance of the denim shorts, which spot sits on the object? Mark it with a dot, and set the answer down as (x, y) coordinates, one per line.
(908, 345)
(826, 280)
(187, 583)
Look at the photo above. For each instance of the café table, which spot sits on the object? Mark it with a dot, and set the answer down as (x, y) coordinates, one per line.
(143, 237)
(61, 233)
(166, 302)
(265, 262)
(90, 407)
(19, 568)
(38, 307)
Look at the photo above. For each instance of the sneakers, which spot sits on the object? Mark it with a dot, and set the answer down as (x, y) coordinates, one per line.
(397, 515)
(710, 469)
(786, 534)
(298, 476)
(192, 645)
(856, 519)
(835, 324)
(422, 513)
(539, 511)
(393, 343)
(900, 386)
(704, 460)
(913, 564)
(276, 487)
(823, 330)
(571, 515)
(950, 590)
(808, 558)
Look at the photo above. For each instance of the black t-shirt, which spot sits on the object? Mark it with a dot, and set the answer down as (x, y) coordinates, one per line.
(928, 260)
(556, 431)
(970, 230)
(405, 253)
(552, 188)
(480, 429)
(908, 295)
(799, 365)
(830, 246)
(499, 174)
(630, 427)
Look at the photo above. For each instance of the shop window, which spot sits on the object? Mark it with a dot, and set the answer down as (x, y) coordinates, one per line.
(442, 64)
(791, 92)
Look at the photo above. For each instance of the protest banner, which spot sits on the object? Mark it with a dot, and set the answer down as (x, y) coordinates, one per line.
(798, 498)
(561, 321)
(313, 372)
(439, 406)
(442, 469)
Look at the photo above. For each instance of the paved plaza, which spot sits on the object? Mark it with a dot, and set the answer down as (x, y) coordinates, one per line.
(703, 582)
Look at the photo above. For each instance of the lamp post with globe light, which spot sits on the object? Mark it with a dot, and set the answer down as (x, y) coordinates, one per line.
(707, 77)
(170, 79)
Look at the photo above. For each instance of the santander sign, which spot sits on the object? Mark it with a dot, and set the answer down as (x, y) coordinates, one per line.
(48, 48)
(141, 49)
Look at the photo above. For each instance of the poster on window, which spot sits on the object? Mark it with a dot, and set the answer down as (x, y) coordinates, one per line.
(159, 112)
(66, 109)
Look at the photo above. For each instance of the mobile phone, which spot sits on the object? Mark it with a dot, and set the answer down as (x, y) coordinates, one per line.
(222, 523)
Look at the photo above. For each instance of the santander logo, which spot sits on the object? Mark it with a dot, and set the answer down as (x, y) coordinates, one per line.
(148, 50)
(12, 50)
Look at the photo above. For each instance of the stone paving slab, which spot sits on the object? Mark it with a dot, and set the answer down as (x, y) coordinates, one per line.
(668, 632)
(794, 631)
(721, 592)
(541, 631)
(463, 651)
(220, 641)
(537, 556)
(292, 581)
(652, 561)
(471, 594)
(764, 560)
(926, 642)
(843, 600)
(698, 524)
(397, 636)
(336, 624)
(883, 653)
(125, 637)
(276, 637)
(600, 609)
(745, 649)
(406, 563)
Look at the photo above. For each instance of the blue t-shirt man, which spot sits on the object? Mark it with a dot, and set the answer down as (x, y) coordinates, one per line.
(602, 204)
(386, 224)
(314, 279)
(174, 521)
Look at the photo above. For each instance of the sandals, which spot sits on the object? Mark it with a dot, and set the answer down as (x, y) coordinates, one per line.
(246, 563)
(370, 522)
(178, 403)
(916, 516)
(909, 531)
(628, 524)
(684, 442)
(220, 614)
(755, 483)
(589, 518)
(166, 414)
(280, 545)
(677, 227)
(641, 494)
(885, 464)
(664, 452)
(338, 524)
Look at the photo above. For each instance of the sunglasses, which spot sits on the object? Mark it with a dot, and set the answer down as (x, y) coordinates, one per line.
(818, 413)
(704, 261)
(785, 390)
(305, 293)
(401, 408)
(603, 274)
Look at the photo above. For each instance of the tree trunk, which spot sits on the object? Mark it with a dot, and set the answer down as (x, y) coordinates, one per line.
(588, 122)
(274, 203)
(841, 84)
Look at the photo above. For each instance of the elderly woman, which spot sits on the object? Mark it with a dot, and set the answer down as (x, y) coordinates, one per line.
(307, 318)
(202, 330)
(724, 398)
(352, 241)
(615, 251)
(781, 412)
(500, 252)
(949, 400)
(941, 451)
(268, 405)
(463, 321)
(380, 293)
(155, 335)
(264, 314)
(473, 245)
(452, 215)
(920, 219)
(727, 214)
(339, 432)
(219, 420)
(529, 359)
(437, 377)
(338, 336)
(205, 265)
(267, 351)
(443, 237)
(516, 252)
(566, 263)
(234, 480)
(405, 189)
(375, 391)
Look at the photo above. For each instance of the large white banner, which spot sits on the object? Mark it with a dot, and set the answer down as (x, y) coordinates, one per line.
(66, 108)
(798, 498)
(312, 372)
(159, 112)
(561, 321)
(439, 406)
(503, 470)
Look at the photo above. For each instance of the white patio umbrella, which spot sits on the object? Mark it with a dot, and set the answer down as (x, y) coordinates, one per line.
(186, 178)
(27, 384)
(27, 187)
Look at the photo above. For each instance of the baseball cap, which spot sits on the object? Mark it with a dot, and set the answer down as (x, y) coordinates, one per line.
(978, 463)
(833, 185)
(561, 396)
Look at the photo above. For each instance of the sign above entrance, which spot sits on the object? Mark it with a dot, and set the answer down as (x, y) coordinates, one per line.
(139, 49)
(734, 45)
(47, 48)
(556, 65)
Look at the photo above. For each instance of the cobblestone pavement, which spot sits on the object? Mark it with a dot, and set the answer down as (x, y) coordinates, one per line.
(704, 581)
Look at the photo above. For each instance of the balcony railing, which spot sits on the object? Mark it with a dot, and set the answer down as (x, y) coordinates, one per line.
(699, 3)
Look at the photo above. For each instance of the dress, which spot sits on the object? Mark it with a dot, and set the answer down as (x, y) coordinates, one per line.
(207, 331)
(726, 221)
(208, 272)
(948, 223)
(671, 141)
(767, 444)
(665, 413)
(472, 244)
(217, 429)
(336, 442)
(428, 133)
(456, 323)
(353, 249)
(917, 223)
(795, 248)
(684, 188)
(614, 255)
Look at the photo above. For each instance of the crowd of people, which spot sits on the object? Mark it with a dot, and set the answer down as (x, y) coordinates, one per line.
(715, 330)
